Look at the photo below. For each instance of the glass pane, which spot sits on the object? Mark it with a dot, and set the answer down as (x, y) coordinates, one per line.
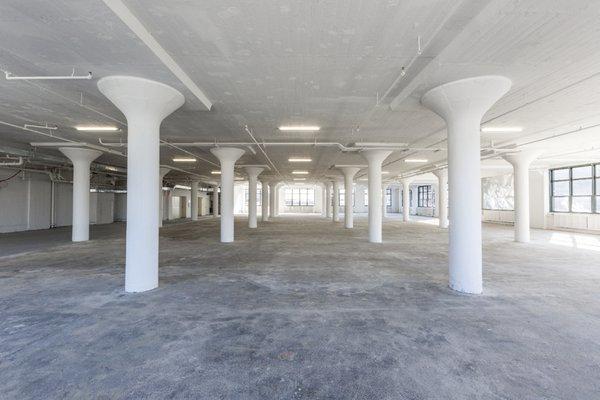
(582, 204)
(560, 204)
(558, 174)
(598, 170)
(582, 187)
(582, 172)
(311, 197)
(560, 188)
(598, 204)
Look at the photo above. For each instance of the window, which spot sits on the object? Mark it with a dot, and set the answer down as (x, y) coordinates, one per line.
(258, 197)
(366, 194)
(342, 198)
(575, 189)
(299, 197)
(424, 196)
(388, 197)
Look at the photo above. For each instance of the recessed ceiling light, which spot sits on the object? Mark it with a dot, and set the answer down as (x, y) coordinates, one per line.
(385, 172)
(415, 160)
(94, 128)
(300, 172)
(299, 179)
(182, 187)
(184, 159)
(300, 128)
(215, 172)
(496, 129)
(299, 159)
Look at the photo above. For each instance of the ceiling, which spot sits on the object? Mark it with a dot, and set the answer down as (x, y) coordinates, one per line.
(336, 64)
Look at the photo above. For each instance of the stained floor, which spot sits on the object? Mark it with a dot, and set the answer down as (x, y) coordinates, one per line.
(299, 309)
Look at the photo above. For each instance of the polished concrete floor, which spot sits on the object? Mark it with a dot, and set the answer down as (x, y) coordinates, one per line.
(300, 308)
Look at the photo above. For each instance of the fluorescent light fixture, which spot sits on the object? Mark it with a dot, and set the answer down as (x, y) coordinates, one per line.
(497, 129)
(184, 159)
(300, 172)
(182, 187)
(385, 172)
(94, 128)
(215, 172)
(415, 160)
(299, 179)
(109, 168)
(299, 128)
(299, 159)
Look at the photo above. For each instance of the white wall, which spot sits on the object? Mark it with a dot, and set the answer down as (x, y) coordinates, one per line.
(25, 203)
(539, 205)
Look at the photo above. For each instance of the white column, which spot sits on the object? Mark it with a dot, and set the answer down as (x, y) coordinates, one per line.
(349, 173)
(227, 157)
(81, 159)
(170, 204)
(328, 210)
(276, 208)
(265, 200)
(462, 104)
(253, 173)
(323, 201)
(272, 190)
(336, 201)
(375, 158)
(521, 162)
(161, 196)
(145, 104)
(384, 199)
(442, 196)
(194, 200)
(406, 199)
(215, 200)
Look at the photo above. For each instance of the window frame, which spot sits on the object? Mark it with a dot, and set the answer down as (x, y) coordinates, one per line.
(299, 197)
(595, 193)
(425, 196)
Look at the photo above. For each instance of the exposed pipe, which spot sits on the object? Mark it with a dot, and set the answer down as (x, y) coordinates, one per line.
(12, 163)
(249, 132)
(11, 77)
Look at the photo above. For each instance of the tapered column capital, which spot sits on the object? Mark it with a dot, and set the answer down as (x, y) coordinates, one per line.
(227, 154)
(465, 97)
(79, 154)
(163, 171)
(253, 170)
(522, 158)
(375, 156)
(407, 181)
(350, 170)
(441, 173)
(137, 97)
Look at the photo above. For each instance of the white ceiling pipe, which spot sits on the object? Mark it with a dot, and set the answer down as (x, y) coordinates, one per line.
(12, 163)
(11, 77)
(249, 132)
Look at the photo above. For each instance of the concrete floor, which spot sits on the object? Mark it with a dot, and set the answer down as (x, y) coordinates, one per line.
(299, 308)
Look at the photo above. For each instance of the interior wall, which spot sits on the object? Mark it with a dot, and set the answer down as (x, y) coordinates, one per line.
(26, 203)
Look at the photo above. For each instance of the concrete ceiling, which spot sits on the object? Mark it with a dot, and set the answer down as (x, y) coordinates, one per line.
(336, 64)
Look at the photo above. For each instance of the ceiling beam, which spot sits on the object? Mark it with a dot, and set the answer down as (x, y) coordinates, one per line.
(121, 10)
